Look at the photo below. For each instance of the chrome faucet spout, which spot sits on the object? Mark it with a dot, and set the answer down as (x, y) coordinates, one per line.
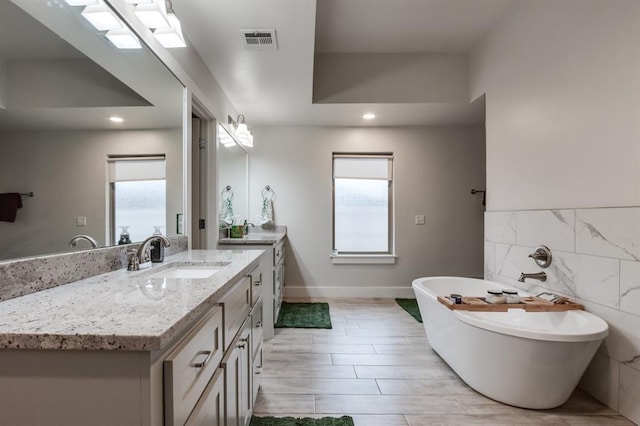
(144, 246)
(536, 276)
(92, 241)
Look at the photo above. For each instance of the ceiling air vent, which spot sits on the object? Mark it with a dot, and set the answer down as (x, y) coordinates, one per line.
(259, 39)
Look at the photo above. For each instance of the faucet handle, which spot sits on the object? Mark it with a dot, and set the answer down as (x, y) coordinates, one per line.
(542, 256)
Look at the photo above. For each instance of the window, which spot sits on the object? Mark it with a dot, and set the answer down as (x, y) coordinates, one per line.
(362, 204)
(138, 195)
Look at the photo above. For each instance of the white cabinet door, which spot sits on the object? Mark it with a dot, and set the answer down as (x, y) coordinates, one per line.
(210, 409)
(237, 379)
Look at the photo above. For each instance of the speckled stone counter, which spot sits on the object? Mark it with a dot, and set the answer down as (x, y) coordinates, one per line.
(120, 310)
(257, 236)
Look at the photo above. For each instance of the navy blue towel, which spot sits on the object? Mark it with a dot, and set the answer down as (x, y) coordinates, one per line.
(10, 202)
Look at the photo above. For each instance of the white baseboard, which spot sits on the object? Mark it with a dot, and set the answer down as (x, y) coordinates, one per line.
(344, 292)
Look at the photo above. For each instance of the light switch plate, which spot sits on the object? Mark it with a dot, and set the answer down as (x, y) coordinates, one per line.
(81, 221)
(420, 219)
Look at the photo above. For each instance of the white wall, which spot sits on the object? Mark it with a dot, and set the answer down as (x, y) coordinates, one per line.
(562, 85)
(562, 105)
(67, 172)
(434, 171)
(386, 78)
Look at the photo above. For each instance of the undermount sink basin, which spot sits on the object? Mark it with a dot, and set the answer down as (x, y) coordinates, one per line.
(187, 271)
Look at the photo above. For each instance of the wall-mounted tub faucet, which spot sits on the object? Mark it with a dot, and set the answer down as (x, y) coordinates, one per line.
(536, 276)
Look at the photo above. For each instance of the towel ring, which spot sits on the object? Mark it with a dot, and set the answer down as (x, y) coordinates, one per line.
(268, 193)
(227, 193)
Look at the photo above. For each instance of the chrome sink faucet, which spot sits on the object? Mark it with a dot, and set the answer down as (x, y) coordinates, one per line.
(74, 241)
(140, 256)
(536, 276)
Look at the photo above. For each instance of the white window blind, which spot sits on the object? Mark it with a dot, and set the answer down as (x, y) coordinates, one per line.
(131, 169)
(365, 167)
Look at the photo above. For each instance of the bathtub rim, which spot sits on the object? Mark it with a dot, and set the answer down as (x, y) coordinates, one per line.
(483, 319)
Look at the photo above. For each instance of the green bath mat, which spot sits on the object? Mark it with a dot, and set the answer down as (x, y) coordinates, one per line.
(304, 315)
(411, 306)
(301, 421)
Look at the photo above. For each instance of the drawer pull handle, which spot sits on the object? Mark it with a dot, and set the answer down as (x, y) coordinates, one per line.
(241, 345)
(257, 371)
(205, 361)
(259, 324)
(257, 283)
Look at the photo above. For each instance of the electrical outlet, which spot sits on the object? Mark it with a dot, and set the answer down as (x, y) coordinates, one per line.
(81, 221)
(420, 219)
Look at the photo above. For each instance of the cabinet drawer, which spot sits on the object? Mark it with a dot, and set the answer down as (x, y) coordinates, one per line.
(189, 367)
(256, 326)
(210, 408)
(256, 284)
(236, 304)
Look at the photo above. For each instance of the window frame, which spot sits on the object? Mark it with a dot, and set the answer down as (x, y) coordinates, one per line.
(111, 208)
(387, 256)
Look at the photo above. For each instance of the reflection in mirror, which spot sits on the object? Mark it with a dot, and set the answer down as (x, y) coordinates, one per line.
(63, 86)
(232, 180)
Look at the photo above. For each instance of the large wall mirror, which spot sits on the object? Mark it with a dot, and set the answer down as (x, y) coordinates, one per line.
(78, 172)
(233, 182)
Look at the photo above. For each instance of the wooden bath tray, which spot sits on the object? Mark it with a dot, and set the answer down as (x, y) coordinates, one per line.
(529, 304)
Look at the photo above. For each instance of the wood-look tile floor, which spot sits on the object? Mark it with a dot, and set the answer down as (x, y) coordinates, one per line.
(377, 366)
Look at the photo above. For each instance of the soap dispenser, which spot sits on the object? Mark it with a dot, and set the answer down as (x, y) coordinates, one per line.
(157, 249)
(124, 236)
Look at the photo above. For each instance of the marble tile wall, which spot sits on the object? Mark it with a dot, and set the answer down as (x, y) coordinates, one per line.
(31, 274)
(596, 260)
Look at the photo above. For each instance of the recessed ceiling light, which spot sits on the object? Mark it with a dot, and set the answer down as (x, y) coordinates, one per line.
(369, 116)
(116, 119)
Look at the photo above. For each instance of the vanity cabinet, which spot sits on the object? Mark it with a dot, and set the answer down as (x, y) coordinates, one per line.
(205, 375)
(278, 278)
(272, 280)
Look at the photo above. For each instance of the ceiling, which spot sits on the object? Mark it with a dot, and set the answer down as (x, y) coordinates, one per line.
(276, 87)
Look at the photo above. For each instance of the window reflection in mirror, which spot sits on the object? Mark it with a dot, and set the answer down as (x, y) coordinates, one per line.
(233, 173)
(60, 82)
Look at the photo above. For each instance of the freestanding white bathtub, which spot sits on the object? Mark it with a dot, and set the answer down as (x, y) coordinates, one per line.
(526, 359)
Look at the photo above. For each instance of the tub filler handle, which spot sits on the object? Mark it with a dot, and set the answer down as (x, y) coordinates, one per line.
(542, 256)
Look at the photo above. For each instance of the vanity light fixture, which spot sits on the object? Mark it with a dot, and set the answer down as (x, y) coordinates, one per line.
(226, 140)
(172, 36)
(152, 15)
(369, 116)
(123, 38)
(101, 17)
(241, 131)
(116, 119)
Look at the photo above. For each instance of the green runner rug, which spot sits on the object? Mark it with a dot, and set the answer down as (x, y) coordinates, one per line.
(411, 306)
(304, 315)
(301, 421)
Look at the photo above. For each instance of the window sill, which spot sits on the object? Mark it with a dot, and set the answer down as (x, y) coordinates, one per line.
(363, 259)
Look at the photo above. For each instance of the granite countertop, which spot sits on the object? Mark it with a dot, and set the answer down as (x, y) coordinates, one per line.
(121, 310)
(257, 235)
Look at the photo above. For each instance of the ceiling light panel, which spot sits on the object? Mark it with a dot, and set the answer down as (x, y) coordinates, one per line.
(81, 2)
(172, 36)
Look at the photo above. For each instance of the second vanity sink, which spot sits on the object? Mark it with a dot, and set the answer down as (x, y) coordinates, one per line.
(186, 271)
